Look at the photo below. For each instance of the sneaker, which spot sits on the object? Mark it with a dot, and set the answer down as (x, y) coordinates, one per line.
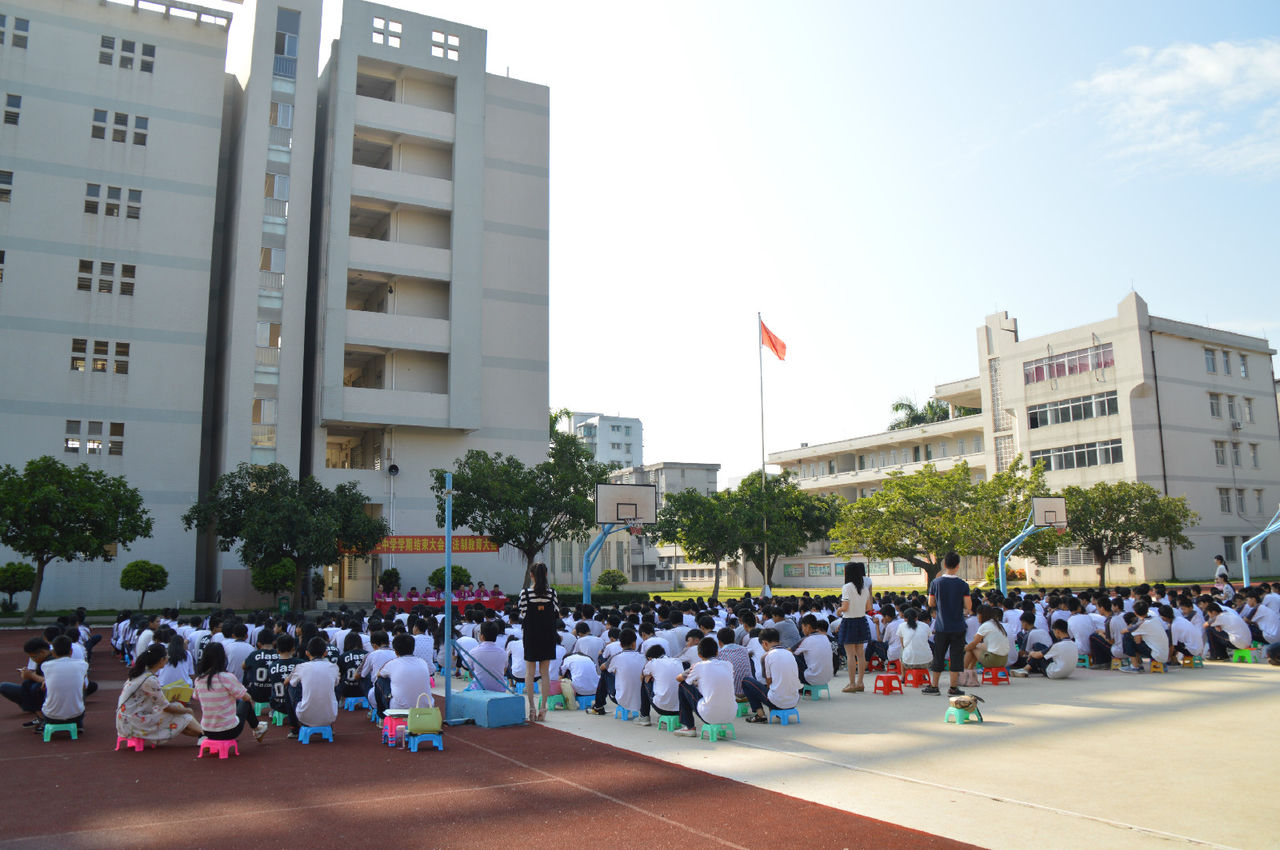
(293, 734)
(686, 732)
(930, 689)
(597, 710)
(954, 692)
(33, 724)
(1129, 668)
(260, 731)
(757, 718)
(642, 720)
(1019, 672)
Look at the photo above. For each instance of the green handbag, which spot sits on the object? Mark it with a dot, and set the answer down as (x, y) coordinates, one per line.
(425, 721)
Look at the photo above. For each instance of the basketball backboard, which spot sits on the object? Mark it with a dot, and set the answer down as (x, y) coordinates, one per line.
(629, 504)
(1049, 512)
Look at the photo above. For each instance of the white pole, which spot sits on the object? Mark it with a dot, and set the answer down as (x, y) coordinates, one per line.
(764, 511)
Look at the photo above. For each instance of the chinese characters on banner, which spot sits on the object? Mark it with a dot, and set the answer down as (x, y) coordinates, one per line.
(432, 544)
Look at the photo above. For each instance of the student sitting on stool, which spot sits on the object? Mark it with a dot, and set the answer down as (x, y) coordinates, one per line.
(780, 689)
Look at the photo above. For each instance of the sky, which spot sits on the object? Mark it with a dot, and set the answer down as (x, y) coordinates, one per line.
(874, 179)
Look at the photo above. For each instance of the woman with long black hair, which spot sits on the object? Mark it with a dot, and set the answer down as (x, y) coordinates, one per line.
(539, 609)
(855, 605)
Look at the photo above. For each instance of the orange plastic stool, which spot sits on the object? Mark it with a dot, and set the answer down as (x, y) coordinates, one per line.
(995, 676)
(917, 678)
(887, 683)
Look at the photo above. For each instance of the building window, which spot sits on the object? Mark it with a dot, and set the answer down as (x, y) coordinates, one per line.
(288, 22)
(1220, 452)
(121, 364)
(1080, 455)
(128, 274)
(1215, 405)
(140, 127)
(1235, 454)
(928, 451)
(1257, 497)
(1078, 362)
(12, 105)
(282, 115)
(960, 446)
(387, 32)
(1240, 509)
(271, 260)
(1, 267)
(1211, 361)
(71, 445)
(79, 347)
(1253, 455)
(1226, 362)
(6, 186)
(1224, 500)
(134, 209)
(915, 454)
(1228, 548)
(445, 46)
(106, 277)
(1244, 365)
(893, 457)
(17, 34)
(148, 63)
(1232, 410)
(1262, 549)
(98, 127)
(1073, 409)
(1248, 410)
(92, 191)
(115, 445)
(124, 53)
(100, 350)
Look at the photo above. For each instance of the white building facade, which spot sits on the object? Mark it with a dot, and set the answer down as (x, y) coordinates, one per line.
(615, 440)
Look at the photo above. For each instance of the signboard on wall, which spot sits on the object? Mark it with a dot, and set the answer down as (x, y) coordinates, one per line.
(819, 570)
(433, 544)
(878, 568)
(902, 568)
(793, 570)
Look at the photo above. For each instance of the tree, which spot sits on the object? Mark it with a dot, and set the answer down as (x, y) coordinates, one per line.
(998, 511)
(794, 519)
(909, 415)
(16, 577)
(916, 518)
(273, 515)
(51, 511)
(143, 576)
(389, 579)
(612, 579)
(274, 576)
(525, 507)
(461, 576)
(707, 527)
(1111, 518)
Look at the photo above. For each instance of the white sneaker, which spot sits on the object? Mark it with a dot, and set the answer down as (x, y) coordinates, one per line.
(1018, 673)
(685, 732)
(642, 721)
(1129, 668)
(260, 731)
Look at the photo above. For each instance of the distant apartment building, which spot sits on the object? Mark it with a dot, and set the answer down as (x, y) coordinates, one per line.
(615, 440)
(285, 237)
(1188, 409)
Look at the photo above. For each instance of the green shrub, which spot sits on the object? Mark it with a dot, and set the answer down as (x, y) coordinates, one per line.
(389, 579)
(1009, 574)
(143, 576)
(16, 577)
(274, 578)
(461, 576)
(612, 579)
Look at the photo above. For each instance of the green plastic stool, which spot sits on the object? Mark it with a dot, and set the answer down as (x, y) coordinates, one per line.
(815, 692)
(718, 731)
(670, 722)
(959, 716)
(555, 700)
(1082, 659)
(1244, 656)
(744, 708)
(259, 707)
(50, 728)
(278, 718)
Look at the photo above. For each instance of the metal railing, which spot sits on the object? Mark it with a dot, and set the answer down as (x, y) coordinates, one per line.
(263, 436)
(287, 67)
(272, 282)
(267, 356)
(275, 209)
(280, 137)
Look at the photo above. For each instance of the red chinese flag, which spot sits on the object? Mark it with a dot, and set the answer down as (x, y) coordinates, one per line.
(771, 342)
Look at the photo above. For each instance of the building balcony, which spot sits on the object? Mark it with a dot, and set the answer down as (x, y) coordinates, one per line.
(399, 258)
(266, 357)
(364, 406)
(274, 209)
(263, 436)
(271, 282)
(383, 330)
(401, 187)
(280, 138)
(285, 67)
(405, 119)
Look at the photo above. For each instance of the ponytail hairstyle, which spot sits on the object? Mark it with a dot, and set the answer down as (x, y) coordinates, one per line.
(540, 579)
(911, 616)
(989, 613)
(146, 659)
(212, 662)
(853, 574)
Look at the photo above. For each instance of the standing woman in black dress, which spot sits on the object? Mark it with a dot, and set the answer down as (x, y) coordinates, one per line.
(539, 610)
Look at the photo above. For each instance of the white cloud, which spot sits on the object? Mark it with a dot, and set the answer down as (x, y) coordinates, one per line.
(1212, 107)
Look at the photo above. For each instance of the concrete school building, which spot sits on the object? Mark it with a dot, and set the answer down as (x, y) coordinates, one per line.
(301, 232)
(1190, 410)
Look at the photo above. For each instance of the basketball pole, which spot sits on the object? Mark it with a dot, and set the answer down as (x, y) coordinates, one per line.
(1028, 529)
(764, 493)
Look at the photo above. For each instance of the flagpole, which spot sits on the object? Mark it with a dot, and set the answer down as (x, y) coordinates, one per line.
(764, 511)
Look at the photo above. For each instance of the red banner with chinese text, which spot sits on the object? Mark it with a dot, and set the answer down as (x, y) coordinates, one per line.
(433, 544)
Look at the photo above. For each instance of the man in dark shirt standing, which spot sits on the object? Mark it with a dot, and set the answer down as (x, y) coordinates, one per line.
(950, 601)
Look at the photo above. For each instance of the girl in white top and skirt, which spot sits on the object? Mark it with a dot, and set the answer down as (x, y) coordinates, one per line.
(855, 605)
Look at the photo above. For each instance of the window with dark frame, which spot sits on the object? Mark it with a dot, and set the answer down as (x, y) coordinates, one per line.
(12, 105)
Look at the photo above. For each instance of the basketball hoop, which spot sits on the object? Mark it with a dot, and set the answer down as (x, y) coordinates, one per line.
(1061, 529)
(635, 529)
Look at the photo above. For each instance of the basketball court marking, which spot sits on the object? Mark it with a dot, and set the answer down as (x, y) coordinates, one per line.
(1155, 833)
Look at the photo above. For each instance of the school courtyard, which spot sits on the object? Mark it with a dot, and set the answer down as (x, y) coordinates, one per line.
(1100, 759)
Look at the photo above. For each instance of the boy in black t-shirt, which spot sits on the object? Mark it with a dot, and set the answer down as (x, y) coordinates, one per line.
(279, 671)
(349, 664)
(257, 667)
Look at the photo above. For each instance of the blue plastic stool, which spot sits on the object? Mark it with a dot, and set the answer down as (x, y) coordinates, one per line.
(744, 708)
(621, 713)
(278, 718)
(305, 733)
(785, 716)
(431, 738)
(814, 692)
(520, 687)
(585, 702)
(355, 703)
(718, 731)
(50, 728)
(670, 722)
(373, 716)
(1082, 660)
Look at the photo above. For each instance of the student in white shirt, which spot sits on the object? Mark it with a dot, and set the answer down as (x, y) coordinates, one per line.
(1033, 640)
(488, 660)
(1226, 632)
(64, 679)
(625, 669)
(1145, 637)
(661, 689)
(914, 637)
(1056, 662)
(379, 655)
(689, 656)
(317, 680)
(706, 689)
(813, 653)
(408, 678)
(424, 646)
(587, 643)
(579, 678)
(989, 646)
(1185, 638)
(1262, 620)
(238, 650)
(780, 689)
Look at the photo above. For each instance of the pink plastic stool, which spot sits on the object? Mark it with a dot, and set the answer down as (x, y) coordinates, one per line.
(137, 743)
(391, 727)
(222, 748)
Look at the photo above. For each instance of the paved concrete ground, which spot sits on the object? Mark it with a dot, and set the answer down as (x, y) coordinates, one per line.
(1094, 760)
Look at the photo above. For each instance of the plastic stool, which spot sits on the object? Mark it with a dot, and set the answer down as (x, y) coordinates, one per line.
(1117, 663)
(305, 733)
(784, 715)
(520, 687)
(585, 702)
(391, 727)
(433, 738)
(874, 663)
(718, 731)
(222, 748)
(556, 700)
(621, 713)
(259, 707)
(959, 715)
(373, 715)
(995, 676)
(815, 691)
(50, 728)
(1157, 666)
(1082, 659)
(887, 683)
(135, 743)
(917, 678)
(894, 666)
(670, 722)
(744, 708)
(1244, 656)
(355, 703)
(1193, 661)
(278, 718)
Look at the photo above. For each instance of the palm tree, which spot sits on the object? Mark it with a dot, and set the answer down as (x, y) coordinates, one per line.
(909, 415)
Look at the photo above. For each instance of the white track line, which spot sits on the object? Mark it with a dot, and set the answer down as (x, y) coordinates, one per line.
(601, 794)
(1172, 836)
